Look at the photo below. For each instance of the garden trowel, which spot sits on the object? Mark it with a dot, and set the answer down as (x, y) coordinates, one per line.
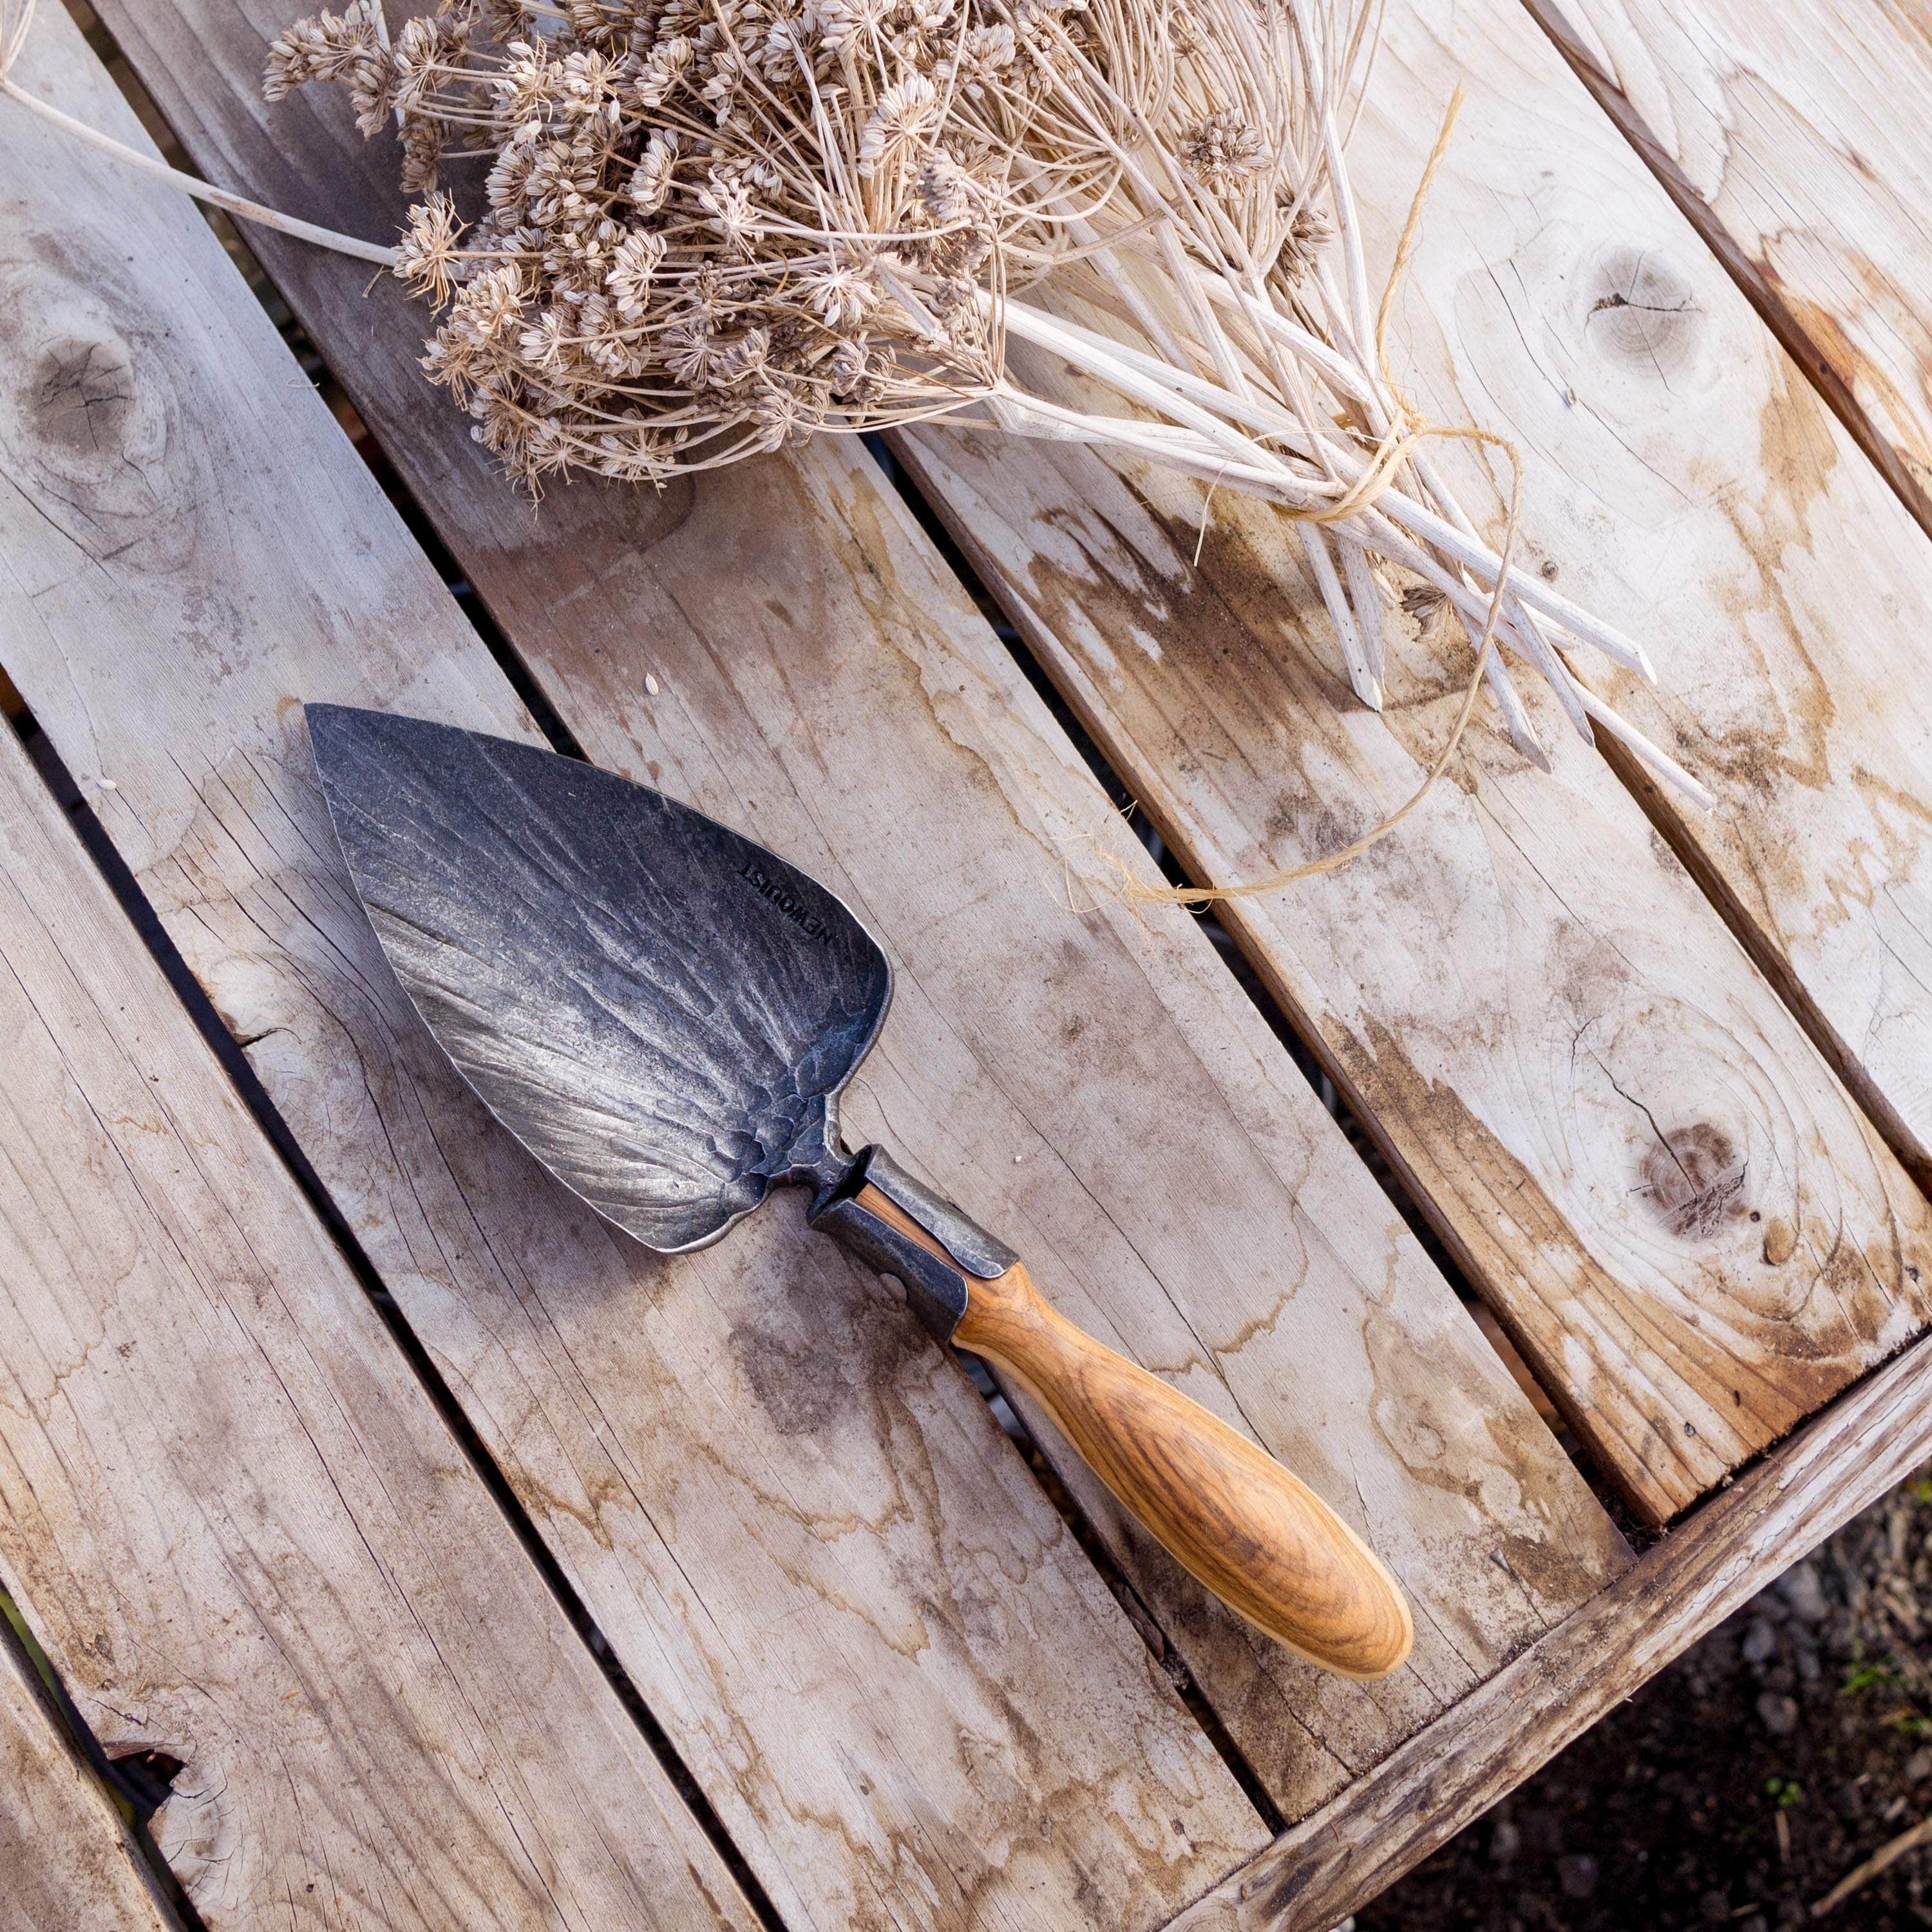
(664, 1014)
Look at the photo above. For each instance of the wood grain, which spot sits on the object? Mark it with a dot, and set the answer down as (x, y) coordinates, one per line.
(1095, 1088)
(67, 1862)
(1681, 1218)
(233, 1518)
(1796, 140)
(911, 1699)
(1315, 1874)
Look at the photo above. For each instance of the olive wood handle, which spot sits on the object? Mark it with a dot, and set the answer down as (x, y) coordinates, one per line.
(1260, 1539)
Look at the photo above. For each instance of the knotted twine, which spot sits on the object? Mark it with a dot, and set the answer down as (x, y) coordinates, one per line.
(1407, 429)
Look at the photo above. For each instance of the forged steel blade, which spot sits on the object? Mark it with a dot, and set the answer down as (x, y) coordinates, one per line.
(663, 1011)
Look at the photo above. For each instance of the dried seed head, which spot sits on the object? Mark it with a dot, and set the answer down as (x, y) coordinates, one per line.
(711, 226)
(1222, 152)
(893, 131)
(740, 359)
(426, 260)
(1309, 232)
(634, 267)
(842, 296)
(330, 46)
(651, 178)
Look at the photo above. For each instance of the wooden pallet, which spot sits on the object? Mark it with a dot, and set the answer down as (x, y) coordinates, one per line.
(480, 1567)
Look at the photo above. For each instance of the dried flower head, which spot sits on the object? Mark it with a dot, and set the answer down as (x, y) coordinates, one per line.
(729, 222)
(1222, 150)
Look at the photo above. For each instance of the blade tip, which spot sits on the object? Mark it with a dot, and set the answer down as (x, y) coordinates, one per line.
(335, 730)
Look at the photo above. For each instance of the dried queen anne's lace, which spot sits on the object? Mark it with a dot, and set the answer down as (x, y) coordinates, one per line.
(711, 227)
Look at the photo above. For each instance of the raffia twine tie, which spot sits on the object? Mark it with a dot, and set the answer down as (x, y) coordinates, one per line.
(1407, 430)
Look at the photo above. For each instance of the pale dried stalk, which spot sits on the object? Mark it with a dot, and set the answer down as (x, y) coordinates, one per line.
(16, 16)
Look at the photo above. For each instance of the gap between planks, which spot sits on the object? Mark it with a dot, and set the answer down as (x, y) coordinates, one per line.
(1304, 1053)
(1638, 1155)
(229, 1053)
(986, 1730)
(562, 739)
(69, 1861)
(1875, 412)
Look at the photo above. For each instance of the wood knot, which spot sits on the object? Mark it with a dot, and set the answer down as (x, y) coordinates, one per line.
(1644, 314)
(86, 419)
(83, 397)
(1694, 1179)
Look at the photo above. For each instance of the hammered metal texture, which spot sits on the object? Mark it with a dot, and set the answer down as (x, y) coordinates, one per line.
(662, 1011)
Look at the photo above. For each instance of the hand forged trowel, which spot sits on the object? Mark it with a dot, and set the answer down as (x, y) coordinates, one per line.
(664, 1014)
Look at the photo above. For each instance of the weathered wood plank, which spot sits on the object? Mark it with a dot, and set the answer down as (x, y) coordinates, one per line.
(1796, 140)
(232, 1516)
(1097, 1089)
(67, 1862)
(1313, 1875)
(1684, 1222)
(912, 1699)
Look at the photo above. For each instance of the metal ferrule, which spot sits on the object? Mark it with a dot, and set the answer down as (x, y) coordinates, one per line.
(936, 1289)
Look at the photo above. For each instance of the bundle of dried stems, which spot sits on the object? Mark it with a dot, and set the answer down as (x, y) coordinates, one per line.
(710, 228)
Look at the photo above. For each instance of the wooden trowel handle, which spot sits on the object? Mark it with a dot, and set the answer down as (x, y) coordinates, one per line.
(1262, 1541)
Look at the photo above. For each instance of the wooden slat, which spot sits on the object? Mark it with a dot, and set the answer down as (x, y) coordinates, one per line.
(67, 1862)
(840, 1589)
(1687, 1226)
(1096, 1088)
(1314, 1875)
(230, 1513)
(1796, 138)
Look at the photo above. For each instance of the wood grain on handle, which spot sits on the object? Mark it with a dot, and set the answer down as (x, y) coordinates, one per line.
(1263, 1541)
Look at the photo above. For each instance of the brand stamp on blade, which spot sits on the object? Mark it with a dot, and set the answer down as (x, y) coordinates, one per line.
(810, 924)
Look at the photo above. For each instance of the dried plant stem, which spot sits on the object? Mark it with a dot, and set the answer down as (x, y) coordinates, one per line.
(1366, 594)
(1354, 654)
(1660, 761)
(1229, 427)
(1888, 1855)
(1197, 896)
(191, 184)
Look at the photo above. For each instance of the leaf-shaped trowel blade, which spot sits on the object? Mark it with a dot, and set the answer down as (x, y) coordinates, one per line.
(662, 1011)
